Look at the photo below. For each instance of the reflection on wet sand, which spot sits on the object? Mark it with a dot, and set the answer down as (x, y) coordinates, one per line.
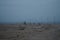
(30, 32)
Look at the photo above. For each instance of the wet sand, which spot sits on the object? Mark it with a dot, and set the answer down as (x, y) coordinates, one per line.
(30, 32)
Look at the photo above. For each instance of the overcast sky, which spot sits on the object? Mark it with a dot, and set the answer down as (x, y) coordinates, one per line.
(29, 10)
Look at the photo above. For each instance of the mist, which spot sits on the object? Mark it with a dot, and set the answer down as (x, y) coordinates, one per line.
(43, 11)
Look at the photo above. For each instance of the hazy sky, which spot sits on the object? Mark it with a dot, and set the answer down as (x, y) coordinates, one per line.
(29, 10)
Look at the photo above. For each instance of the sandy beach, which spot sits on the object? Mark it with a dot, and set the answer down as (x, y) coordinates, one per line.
(30, 32)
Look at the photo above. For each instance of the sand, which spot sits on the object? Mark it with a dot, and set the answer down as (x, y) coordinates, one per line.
(30, 32)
